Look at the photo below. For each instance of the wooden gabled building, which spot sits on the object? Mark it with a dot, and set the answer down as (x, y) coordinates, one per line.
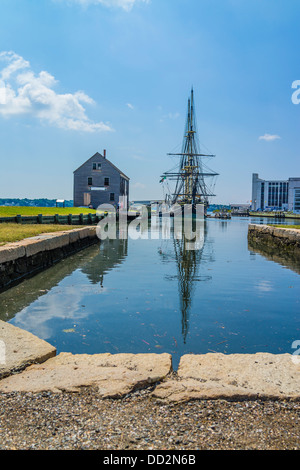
(98, 181)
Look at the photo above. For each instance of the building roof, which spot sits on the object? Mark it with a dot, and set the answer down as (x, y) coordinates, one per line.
(114, 166)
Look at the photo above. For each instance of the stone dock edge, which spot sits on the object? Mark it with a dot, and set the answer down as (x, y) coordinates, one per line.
(285, 239)
(29, 364)
(23, 259)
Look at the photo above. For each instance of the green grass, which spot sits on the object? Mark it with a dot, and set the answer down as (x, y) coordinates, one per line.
(287, 226)
(12, 211)
(15, 232)
(289, 215)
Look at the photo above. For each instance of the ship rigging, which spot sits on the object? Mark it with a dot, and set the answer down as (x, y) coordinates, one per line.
(190, 175)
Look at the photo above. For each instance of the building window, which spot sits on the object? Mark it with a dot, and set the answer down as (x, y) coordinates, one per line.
(106, 181)
(285, 193)
(297, 200)
(112, 197)
(90, 181)
(262, 198)
(96, 166)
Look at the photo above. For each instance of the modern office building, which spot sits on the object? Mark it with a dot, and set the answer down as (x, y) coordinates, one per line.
(275, 195)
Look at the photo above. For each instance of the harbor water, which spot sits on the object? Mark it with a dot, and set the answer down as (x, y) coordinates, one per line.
(153, 295)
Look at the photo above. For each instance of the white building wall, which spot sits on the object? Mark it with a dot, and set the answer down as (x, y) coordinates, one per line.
(271, 193)
(294, 195)
(256, 192)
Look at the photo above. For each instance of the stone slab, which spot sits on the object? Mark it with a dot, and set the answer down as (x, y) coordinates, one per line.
(277, 232)
(19, 348)
(87, 232)
(11, 252)
(74, 236)
(92, 231)
(57, 240)
(236, 376)
(34, 245)
(113, 375)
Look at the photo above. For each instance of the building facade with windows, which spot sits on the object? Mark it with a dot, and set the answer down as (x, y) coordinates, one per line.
(98, 181)
(281, 195)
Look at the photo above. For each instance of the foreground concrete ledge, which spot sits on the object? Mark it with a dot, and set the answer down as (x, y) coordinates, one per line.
(113, 375)
(29, 364)
(19, 348)
(234, 377)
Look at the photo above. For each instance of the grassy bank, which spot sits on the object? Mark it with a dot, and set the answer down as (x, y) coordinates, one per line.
(287, 226)
(12, 211)
(287, 215)
(13, 232)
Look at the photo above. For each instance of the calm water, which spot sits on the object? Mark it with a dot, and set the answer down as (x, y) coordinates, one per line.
(154, 296)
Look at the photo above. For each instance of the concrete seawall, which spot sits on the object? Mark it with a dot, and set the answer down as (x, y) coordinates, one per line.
(27, 257)
(284, 240)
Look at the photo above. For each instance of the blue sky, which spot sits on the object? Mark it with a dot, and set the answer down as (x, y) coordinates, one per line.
(81, 76)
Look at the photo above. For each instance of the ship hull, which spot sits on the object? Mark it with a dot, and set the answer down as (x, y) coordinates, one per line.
(195, 211)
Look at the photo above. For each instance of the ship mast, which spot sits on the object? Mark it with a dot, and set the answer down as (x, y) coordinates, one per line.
(190, 187)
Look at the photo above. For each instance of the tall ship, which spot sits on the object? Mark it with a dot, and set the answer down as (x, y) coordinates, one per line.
(194, 181)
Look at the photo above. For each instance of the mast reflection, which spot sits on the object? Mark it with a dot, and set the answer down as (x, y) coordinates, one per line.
(188, 255)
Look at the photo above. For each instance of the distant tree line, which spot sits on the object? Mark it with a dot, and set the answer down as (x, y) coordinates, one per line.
(214, 207)
(43, 202)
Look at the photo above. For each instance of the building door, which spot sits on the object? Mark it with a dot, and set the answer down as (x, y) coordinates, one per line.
(86, 199)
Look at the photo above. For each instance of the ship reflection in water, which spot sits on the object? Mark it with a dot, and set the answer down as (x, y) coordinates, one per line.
(187, 254)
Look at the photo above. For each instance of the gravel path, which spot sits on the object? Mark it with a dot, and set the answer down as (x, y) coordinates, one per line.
(138, 422)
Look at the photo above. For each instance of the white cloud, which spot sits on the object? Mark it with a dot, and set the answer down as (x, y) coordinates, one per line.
(34, 94)
(264, 286)
(125, 4)
(269, 137)
(138, 185)
(130, 106)
(171, 116)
